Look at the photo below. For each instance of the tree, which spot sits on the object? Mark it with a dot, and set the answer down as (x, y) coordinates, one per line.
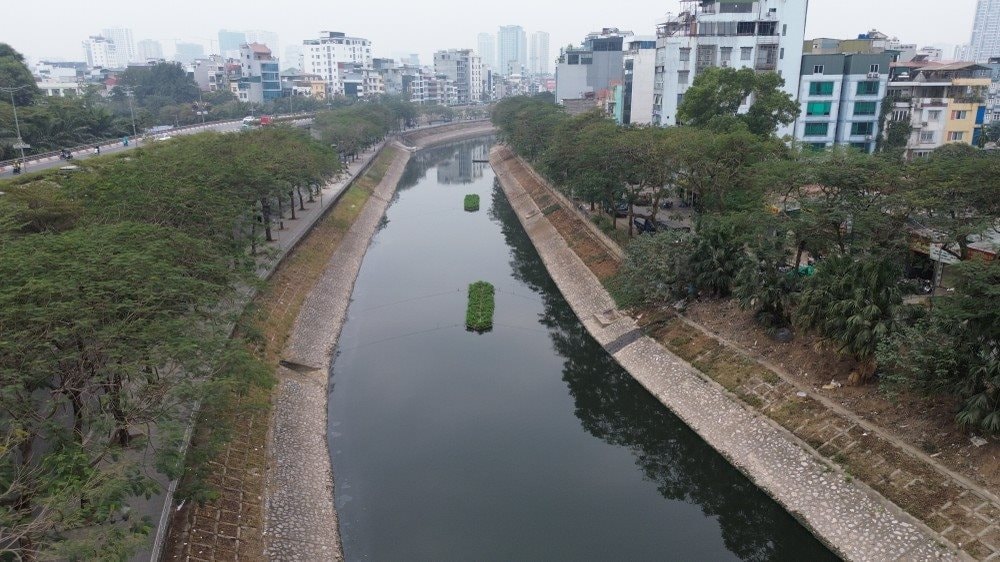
(954, 348)
(720, 92)
(656, 270)
(852, 301)
(163, 81)
(15, 74)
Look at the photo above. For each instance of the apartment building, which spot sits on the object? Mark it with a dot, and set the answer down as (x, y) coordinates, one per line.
(465, 69)
(512, 50)
(985, 42)
(210, 73)
(101, 52)
(332, 53)
(538, 53)
(841, 98)
(124, 46)
(944, 103)
(593, 70)
(993, 96)
(766, 35)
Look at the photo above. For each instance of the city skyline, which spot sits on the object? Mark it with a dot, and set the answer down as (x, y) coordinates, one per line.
(62, 39)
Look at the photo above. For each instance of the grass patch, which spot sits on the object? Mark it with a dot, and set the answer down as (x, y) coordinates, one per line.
(479, 314)
(472, 202)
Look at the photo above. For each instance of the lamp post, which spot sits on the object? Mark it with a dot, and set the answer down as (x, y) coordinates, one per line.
(17, 125)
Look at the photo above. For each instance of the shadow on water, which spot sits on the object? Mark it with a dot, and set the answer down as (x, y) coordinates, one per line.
(529, 443)
(614, 407)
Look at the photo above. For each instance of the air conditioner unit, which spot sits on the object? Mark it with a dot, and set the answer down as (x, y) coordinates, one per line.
(923, 124)
(873, 74)
(725, 64)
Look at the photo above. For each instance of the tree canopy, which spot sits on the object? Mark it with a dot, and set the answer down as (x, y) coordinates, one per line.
(717, 95)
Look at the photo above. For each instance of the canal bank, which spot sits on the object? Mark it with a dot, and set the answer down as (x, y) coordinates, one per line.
(525, 443)
(300, 522)
(851, 519)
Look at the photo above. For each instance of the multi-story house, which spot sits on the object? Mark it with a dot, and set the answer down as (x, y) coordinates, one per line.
(465, 69)
(993, 96)
(944, 103)
(260, 79)
(593, 70)
(841, 97)
(765, 35)
(333, 52)
(634, 98)
(210, 73)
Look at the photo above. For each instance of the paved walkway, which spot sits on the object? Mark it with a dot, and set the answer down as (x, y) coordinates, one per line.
(158, 507)
(852, 521)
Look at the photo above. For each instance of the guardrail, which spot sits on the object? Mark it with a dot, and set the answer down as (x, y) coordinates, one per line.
(46, 156)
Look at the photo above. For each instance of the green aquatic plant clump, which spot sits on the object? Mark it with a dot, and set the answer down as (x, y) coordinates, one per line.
(472, 202)
(479, 314)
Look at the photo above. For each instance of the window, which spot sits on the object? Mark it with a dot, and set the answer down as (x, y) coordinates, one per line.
(956, 136)
(927, 137)
(746, 53)
(782, 54)
(818, 69)
(784, 30)
(873, 69)
(819, 108)
(685, 55)
(959, 115)
(865, 129)
(821, 89)
(817, 129)
(726, 54)
(868, 88)
(683, 76)
(934, 115)
(865, 108)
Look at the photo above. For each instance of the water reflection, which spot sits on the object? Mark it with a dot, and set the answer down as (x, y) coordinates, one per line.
(612, 406)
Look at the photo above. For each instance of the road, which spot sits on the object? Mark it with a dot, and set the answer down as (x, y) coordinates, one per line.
(113, 147)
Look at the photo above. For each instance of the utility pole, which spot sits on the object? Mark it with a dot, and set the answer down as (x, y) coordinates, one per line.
(17, 125)
(131, 109)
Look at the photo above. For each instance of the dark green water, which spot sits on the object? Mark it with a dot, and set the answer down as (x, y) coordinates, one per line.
(527, 443)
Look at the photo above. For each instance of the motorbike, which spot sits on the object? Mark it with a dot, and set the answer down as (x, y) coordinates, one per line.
(65, 155)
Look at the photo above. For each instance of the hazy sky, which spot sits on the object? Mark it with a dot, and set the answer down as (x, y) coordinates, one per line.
(55, 28)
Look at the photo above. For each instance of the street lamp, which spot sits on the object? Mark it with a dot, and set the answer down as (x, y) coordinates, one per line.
(17, 125)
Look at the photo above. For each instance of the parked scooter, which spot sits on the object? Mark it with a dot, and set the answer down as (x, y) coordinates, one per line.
(65, 155)
(17, 168)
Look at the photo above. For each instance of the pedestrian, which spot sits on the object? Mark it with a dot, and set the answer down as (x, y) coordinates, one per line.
(97, 148)
(125, 141)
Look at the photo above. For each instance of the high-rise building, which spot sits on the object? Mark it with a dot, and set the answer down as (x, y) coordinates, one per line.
(765, 35)
(635, 104)
(333, 56)
(262, 37)
(230, 43)
(465, 69)
(538, 53)
(124, 46)
(985, 41)
(487, 49)
(512, 50)
(100, 52)
(148, 49)
(187, 52)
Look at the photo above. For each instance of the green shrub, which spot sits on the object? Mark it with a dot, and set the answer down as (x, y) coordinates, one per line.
(479, 314)
(472, 202)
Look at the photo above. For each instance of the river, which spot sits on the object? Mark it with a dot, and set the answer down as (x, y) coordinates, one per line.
(525, 443)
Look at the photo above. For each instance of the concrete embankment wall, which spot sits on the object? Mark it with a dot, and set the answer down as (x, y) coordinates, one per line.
(849, 518)
(300, 518)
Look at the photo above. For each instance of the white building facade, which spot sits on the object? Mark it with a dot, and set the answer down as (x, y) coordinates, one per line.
(100, 52)
(512, 50)
(331, 55)
(765, 35)
(124, 46)
(147, 50)
(636, 105)
(985, 42)
(539, 61)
